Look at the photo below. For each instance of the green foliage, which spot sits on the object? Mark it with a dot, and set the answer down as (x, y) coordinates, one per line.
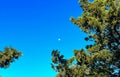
(7, 56)
(101, 21)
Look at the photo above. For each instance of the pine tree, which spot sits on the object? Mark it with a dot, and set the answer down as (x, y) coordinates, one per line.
(8, 56)
(101, 21)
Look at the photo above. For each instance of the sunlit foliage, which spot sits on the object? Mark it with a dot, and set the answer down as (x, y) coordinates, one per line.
(101, 21)
(8, 56)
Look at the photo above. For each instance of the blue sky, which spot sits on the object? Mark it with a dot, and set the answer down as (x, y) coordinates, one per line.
(34, 27)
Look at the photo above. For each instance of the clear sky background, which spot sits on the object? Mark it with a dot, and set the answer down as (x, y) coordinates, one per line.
(36, 27)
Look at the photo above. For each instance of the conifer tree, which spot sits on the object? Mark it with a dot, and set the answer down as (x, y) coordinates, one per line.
(8, 56)
(101, 21)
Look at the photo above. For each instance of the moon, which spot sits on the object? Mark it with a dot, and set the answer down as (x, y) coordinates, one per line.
(59, 39)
